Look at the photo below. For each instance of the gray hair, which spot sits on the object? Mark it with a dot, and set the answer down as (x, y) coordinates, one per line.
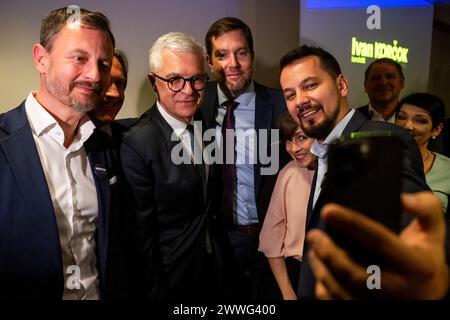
(175, 42)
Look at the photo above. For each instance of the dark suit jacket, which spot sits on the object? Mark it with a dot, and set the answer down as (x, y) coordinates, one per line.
(30, 252)
(413, 181)
(172, 216)
(269, 105)
(365, 111)
(120, 127)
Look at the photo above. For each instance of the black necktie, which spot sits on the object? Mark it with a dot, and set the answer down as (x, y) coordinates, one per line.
(199, 164)
(229, 167)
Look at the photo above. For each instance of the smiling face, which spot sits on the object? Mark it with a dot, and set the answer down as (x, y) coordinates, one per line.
(75, 72)
(106, 112)
(418, 122)
(184, 104)
(383, 85)
(314, 98)
(298, 147)
(231, 62)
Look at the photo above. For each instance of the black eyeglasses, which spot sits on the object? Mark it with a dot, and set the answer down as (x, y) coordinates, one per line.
(176, 84)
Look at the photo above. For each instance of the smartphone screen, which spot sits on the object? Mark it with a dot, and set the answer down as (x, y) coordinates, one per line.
(364, 173)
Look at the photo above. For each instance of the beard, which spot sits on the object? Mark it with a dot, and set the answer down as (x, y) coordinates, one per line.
(84, 107)
(235, 87)
(319, 131)
(65, 95)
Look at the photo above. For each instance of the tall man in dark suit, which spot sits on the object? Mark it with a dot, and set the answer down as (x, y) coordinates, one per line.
(316, 95)
(170, 182)
(58, 179)
(383, 82)
(248, 181)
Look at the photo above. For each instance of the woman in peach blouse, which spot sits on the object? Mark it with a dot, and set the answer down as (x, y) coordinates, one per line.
(283, 232)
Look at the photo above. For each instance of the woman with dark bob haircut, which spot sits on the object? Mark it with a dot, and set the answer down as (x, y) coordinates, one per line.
(283, 232)
(422, 114)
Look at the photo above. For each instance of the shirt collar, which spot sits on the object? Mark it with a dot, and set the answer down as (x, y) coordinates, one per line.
(41, 121)
(376, 116)
(85, 128)
(320, 149)
(244, 99)
(178, 126)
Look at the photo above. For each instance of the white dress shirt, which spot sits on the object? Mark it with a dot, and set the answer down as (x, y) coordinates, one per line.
(246, 152)
(181, 132)
(375, 116)
(74, 196)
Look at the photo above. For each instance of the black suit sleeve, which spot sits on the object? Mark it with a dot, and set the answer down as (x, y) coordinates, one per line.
(149, 281)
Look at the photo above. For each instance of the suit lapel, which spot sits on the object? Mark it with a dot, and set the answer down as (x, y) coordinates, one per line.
(263, 120)
(314, 218)
(355, 123)
(202, 168)
(165, 129)
(99, 148)
(20, 150)
(210, 105)
(310, 210)
(365, 111)
(166, 132)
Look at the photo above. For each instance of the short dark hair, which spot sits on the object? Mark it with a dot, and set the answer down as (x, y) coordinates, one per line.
(327, 61)
(427, 101)
(120, 55)
(225, 25)
(287, 126)
(56, 19)
(387, 61)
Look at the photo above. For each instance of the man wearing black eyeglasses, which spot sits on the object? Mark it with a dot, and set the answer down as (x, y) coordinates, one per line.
(162, 160)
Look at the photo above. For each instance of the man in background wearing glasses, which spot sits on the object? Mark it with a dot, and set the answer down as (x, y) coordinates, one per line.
(171, 231)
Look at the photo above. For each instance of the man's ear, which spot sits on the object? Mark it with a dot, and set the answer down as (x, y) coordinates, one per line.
(151, 78)
(41, 59)
(209, 61)
(342, 85)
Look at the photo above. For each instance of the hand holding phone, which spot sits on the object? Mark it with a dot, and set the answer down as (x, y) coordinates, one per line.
(364, 173)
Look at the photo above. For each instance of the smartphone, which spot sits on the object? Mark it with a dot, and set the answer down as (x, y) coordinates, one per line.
(364, 173)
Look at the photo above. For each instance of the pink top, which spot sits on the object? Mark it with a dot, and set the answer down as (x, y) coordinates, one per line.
(283, 231)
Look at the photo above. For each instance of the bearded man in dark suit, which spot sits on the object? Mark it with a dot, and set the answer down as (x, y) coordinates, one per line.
(316, 95)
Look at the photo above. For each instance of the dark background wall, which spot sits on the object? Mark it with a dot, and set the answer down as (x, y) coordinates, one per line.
(439, 80)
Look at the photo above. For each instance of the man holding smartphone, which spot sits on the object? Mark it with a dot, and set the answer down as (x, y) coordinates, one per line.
(316, 94)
